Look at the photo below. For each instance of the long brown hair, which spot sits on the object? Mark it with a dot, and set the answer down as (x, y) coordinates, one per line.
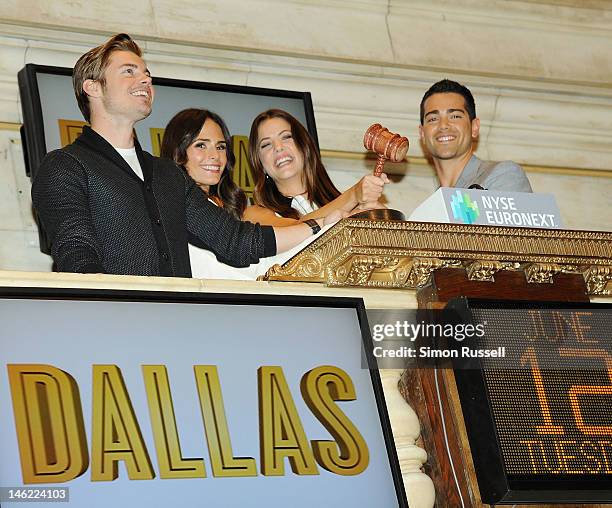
(181, 131)
(319, 187)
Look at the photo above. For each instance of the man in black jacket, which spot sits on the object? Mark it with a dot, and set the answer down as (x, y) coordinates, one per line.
(109, 207)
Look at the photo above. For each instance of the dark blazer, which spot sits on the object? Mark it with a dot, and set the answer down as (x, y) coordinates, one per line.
(100, 217)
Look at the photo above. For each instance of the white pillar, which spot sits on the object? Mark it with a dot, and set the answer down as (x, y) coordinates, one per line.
(406, 429)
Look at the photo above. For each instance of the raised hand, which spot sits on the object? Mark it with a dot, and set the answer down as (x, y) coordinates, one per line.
(369, 190)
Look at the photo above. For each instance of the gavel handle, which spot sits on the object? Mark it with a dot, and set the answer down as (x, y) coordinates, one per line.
(380, 165)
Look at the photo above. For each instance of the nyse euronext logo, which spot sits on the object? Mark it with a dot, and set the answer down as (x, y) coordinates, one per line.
(464, 209)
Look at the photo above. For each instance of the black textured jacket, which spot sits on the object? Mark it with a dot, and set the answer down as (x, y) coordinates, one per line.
(101, 218)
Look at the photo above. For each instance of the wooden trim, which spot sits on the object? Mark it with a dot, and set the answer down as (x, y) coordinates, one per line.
(10, 126)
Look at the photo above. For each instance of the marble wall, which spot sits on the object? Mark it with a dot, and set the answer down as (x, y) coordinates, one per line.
(541, 72)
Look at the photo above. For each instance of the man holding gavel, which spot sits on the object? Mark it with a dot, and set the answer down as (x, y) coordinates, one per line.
(449, 127)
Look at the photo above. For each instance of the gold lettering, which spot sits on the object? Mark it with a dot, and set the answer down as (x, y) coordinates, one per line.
(49, 423)
(550, 468)
(537, 331)
(280, 428)
(163, 422)
(580, 328)
(321, 387)
(529, 356)
(242, 174)
(115, 432)
(602, 445)
(222, 460)
(566, 455)
(562, 326)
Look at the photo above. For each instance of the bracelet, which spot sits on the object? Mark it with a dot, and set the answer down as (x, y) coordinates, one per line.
(314, 225)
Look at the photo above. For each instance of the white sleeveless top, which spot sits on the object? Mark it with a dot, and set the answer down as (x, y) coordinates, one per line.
(205, 265)
(302, 205)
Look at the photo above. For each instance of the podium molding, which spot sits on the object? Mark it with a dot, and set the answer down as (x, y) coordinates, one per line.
(404, 255)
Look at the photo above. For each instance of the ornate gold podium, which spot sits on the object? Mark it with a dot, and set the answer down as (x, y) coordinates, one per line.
(405, 255)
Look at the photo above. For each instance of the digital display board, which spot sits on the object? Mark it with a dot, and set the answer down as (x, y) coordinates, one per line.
(539, 420)
(177, 399)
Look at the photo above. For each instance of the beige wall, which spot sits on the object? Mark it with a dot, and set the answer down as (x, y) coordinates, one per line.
(541, 72)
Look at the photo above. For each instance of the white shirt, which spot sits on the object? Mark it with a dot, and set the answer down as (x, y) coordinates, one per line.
(129, 155)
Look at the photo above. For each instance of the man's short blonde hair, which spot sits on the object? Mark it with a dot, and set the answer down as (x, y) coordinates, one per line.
(93, 64)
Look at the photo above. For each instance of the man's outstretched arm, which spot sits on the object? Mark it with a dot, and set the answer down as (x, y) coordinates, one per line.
(234, 242)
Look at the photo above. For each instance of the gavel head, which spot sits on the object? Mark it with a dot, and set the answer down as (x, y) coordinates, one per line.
(391, 146)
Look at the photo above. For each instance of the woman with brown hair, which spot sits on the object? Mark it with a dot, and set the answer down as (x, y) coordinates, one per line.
(291, 183)
(199, 142)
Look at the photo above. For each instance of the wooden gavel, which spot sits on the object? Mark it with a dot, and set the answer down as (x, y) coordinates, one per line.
(387, 145)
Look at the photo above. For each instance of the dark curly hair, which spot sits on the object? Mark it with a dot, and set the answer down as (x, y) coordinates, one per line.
(181, 131)
(319, 187)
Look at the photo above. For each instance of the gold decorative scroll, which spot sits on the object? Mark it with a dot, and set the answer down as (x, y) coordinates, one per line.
(599, 280)
(402, 254)
(484, 271)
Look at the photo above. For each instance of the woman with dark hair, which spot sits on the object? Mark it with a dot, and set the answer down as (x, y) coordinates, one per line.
(291, 183)
(198, 140)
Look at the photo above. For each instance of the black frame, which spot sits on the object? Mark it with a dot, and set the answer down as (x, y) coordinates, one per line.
(33, 135)
(497, 487)
(240, 299)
